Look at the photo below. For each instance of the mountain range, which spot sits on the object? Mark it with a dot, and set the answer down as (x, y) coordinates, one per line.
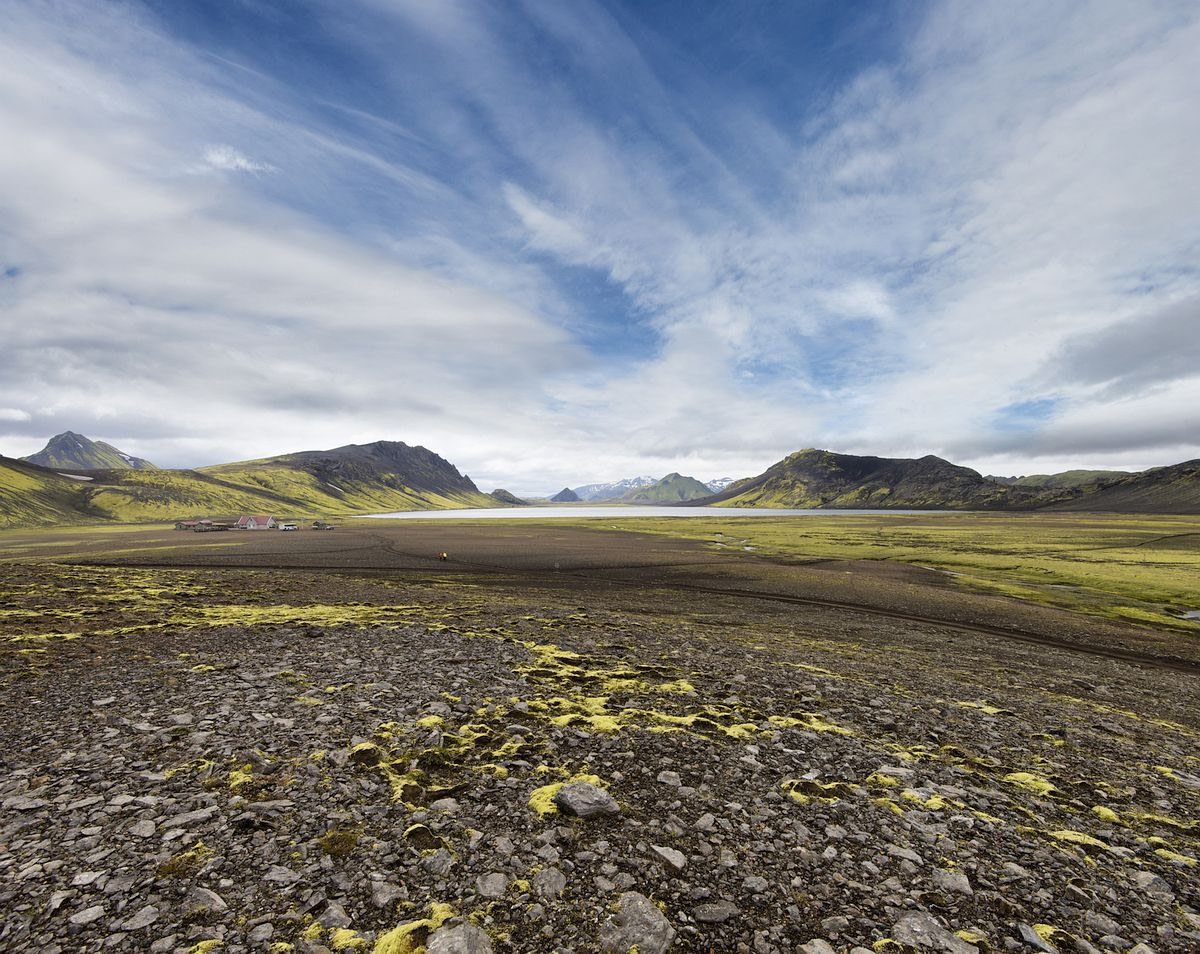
(390, 475)
(614, 490)
(670, 489)
(367, 478)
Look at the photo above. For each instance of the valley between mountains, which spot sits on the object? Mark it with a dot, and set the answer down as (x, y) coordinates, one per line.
(970, 729)
(75, 480)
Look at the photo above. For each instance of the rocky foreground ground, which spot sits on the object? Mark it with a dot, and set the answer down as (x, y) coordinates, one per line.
(205, 760)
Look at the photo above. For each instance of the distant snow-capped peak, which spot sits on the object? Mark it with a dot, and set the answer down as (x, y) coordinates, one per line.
(617, 488)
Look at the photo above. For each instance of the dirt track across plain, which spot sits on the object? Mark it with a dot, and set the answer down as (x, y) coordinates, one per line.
(569, 556)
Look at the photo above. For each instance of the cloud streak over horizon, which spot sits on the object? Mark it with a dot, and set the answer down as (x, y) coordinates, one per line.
(558, 243)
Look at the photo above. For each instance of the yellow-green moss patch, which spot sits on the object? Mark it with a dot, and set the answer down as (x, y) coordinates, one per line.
(410, 938)
(1041, 787)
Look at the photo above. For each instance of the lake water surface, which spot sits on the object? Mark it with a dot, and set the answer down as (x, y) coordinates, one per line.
(569, 512)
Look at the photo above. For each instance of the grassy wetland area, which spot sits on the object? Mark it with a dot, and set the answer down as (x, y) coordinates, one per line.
(954, 732)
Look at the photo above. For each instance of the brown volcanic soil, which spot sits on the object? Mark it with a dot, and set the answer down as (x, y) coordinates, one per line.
(522, 553)
(239, 741)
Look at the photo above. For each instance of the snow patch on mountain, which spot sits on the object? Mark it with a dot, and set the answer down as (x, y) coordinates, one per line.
(617, 488)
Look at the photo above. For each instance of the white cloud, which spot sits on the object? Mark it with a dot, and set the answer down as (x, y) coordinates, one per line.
(229, 159)
(882, 279)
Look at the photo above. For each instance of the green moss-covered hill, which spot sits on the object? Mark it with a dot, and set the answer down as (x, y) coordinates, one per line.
(819, 478)
(33, 496)
(1066, 480)
(671, 489)
(71, 451)
(508, 499)
(383, 476)
(1173, 489)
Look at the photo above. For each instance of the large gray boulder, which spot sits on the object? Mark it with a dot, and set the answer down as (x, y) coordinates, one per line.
(459, 939)
(585, 800)
(921, 931)
(638, 924)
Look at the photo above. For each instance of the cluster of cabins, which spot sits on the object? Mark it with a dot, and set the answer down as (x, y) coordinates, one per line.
(249, 521)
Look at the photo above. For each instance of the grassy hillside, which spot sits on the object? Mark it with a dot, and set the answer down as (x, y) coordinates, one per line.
(821, 479)
(380, 477)
(1068, 479)
(31, 497)
(671, 489)
(1174, 489)
(816, 478)
(508, 499)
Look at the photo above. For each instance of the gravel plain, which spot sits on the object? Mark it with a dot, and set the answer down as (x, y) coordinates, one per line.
(258, 759)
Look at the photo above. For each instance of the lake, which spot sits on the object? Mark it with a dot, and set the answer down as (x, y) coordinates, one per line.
(617, 513)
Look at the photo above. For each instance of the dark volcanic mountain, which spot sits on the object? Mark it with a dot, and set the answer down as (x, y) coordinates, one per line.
(566, 495)
(71, 451)
(1173, 489)
(507, 498)
(818, 478)
(392, 464)
(1065, 480)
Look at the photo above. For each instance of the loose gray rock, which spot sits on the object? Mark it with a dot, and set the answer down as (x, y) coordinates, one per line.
(492, 885)
(439, 862)
(907, 854)
(384, 894)
(261, 932)
(954, 882)
(1034, 940)
(461, 938)
(142, 919)
(549, 883)
(23, 803)
(675, 860)
(281, 875)
(636, 923)
(817, 946)
(190, 818)
(925, 934)
(1150, 882)
(585, 800)
(718, 912)
(334, 916)
(755, 884)
(204, 899)
(87, 915)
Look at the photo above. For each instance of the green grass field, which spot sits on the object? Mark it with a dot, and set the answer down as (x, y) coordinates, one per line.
(1138, 568)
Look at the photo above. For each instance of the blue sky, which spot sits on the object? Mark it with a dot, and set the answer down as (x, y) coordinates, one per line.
(565, 242)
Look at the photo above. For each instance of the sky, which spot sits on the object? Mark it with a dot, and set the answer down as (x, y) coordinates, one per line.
(560, 243)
